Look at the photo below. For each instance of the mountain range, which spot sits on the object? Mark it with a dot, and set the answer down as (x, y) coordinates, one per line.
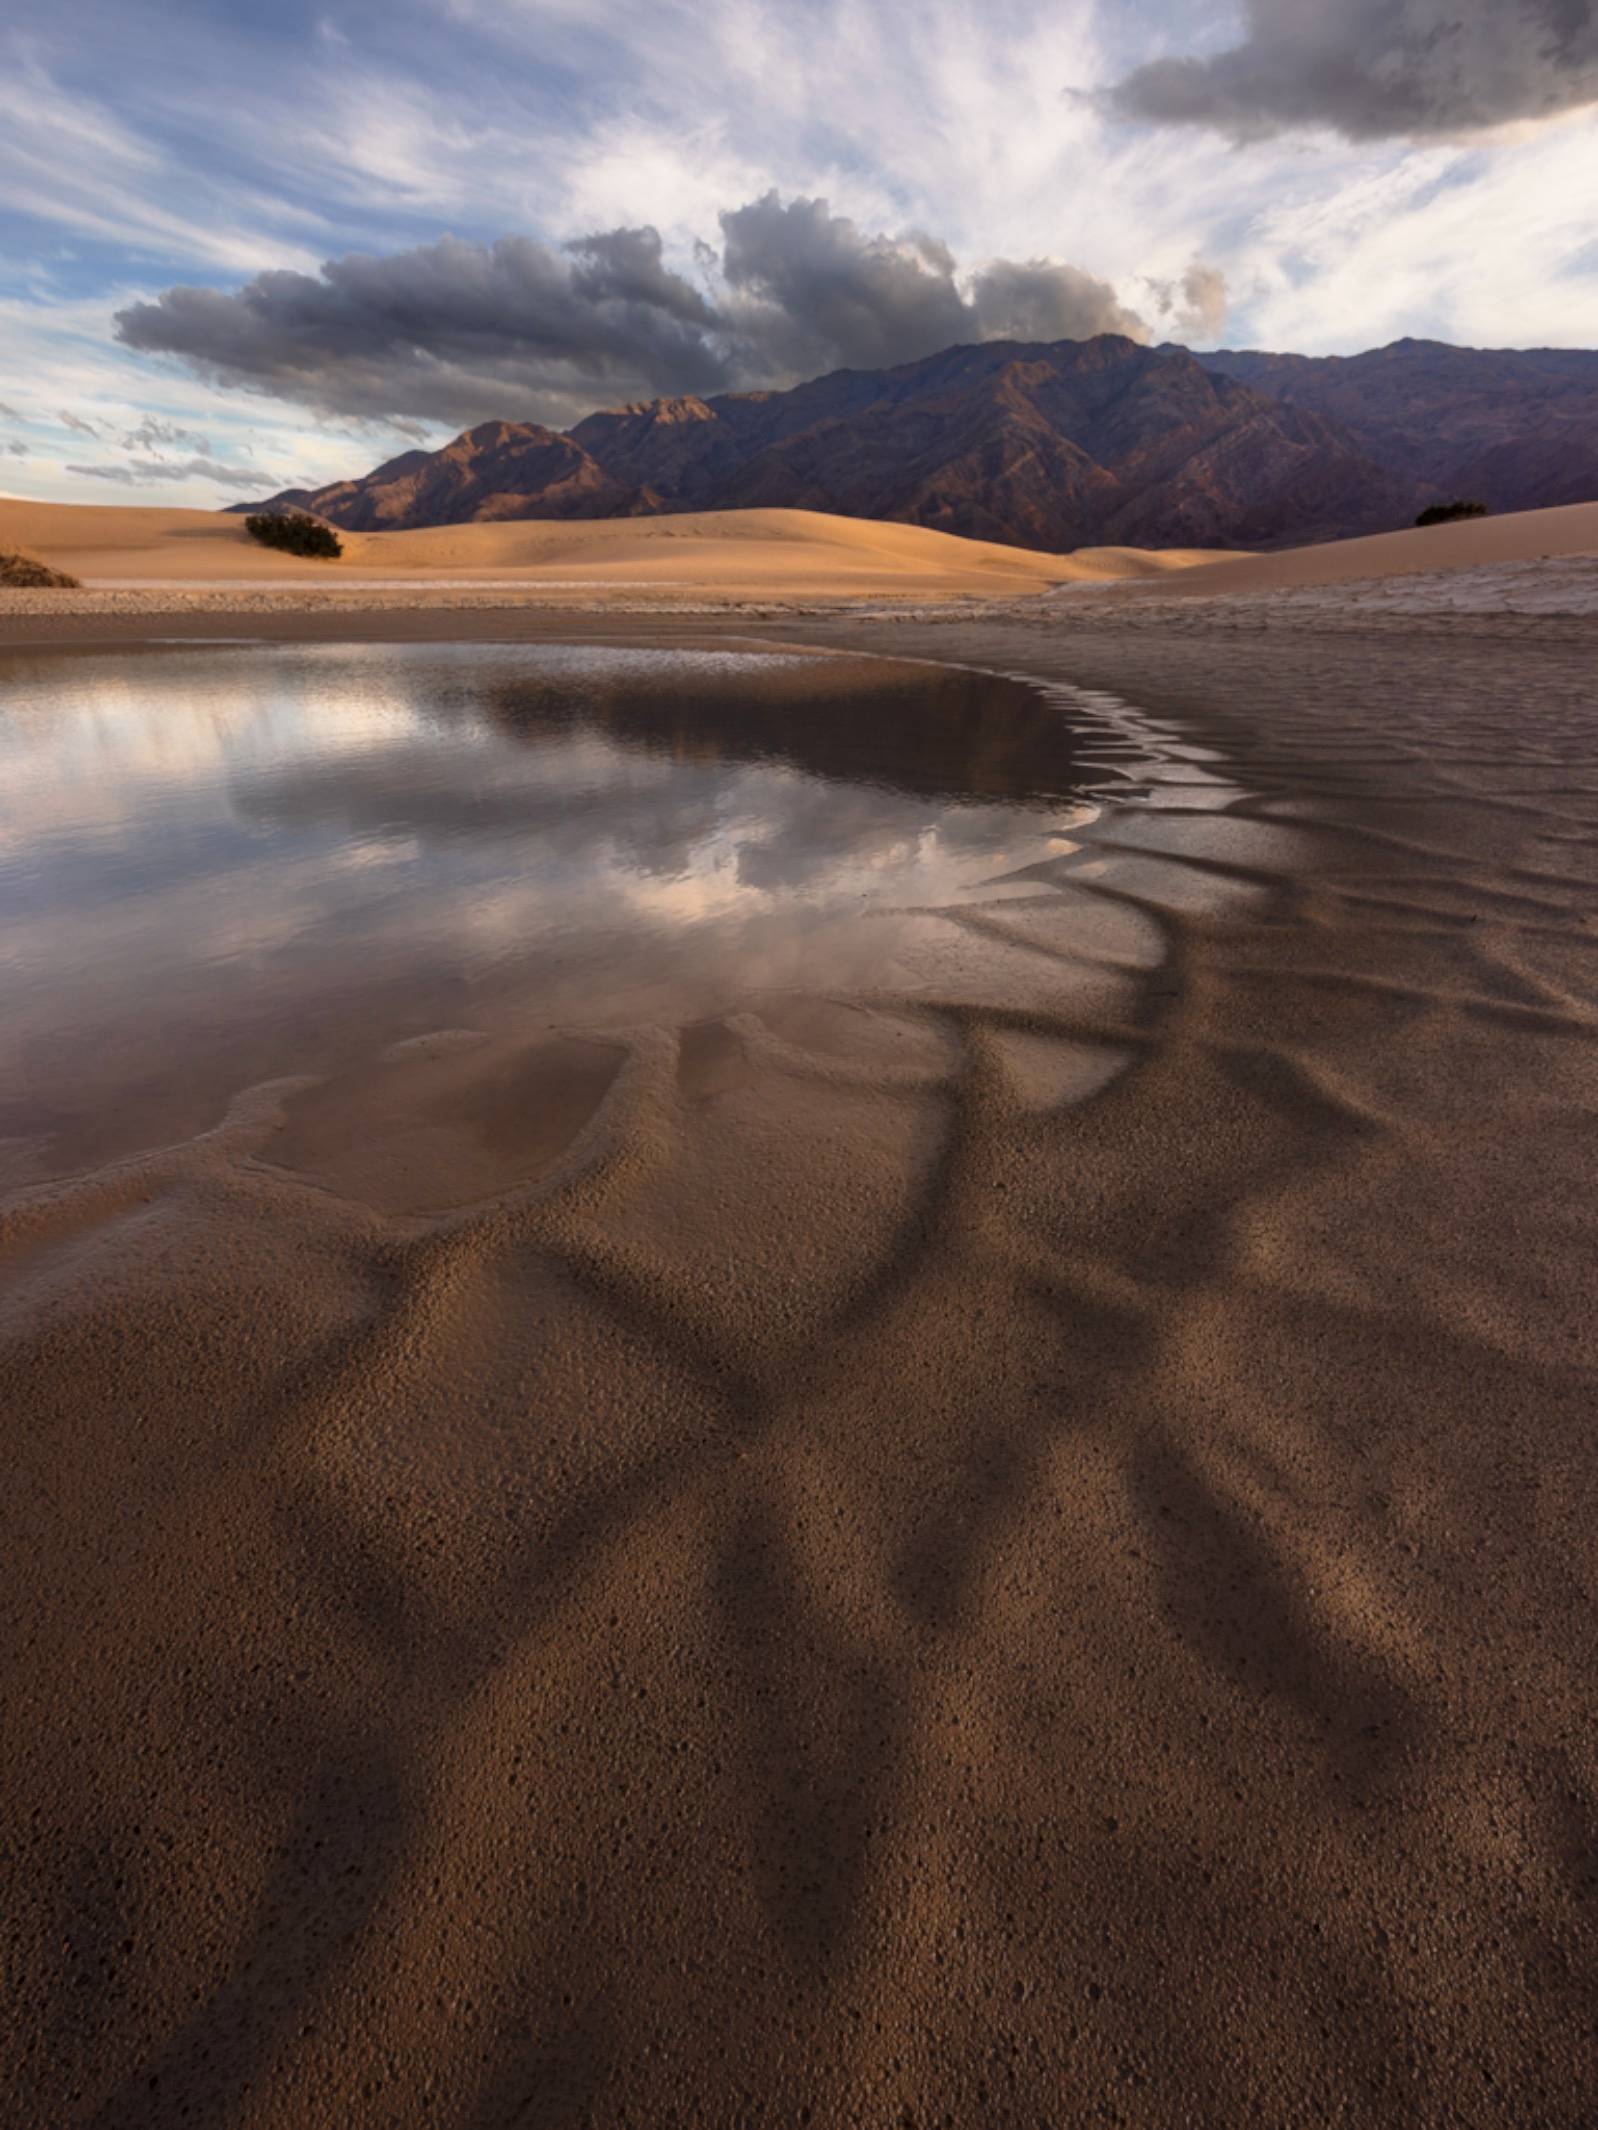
(1052, 445)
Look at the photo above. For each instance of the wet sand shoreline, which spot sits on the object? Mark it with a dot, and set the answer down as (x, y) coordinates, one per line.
(1112, 1643)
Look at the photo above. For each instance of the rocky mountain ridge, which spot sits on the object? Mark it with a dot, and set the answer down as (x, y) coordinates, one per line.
(1052, 446)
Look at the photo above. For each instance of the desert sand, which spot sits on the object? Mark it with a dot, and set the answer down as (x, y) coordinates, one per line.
(865, 1593)
(739, 554)
(1525, 536)
(140, 561)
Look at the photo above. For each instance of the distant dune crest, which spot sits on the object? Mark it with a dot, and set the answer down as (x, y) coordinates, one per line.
(1050, 446)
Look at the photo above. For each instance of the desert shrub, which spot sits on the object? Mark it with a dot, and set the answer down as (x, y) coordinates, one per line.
(1446, 513)
(25, 573)
(296, 533)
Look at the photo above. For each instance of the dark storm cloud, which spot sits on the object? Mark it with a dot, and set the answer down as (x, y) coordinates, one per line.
(1379, 68)
(627, 265)
(448, 332)
(458, 332)
(817, 292)
(1041, 299)
(812, 290)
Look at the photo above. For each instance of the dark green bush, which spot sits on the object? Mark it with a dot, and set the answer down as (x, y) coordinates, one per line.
(1446, 513)
(295, 533)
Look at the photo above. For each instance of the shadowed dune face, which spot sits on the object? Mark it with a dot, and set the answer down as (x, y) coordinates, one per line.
(883, 1577)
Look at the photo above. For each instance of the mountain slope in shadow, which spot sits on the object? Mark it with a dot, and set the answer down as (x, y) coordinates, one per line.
(1051, 446)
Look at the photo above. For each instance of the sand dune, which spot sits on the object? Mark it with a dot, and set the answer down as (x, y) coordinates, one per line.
(1523, 536)
(747, 554)
(766, 556)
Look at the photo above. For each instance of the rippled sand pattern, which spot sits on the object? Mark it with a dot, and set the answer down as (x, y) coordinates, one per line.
(944, 1562)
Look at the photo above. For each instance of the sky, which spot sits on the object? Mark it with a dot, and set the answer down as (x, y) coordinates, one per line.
(248, 244)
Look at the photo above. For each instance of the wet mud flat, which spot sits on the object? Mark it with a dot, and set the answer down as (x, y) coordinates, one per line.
(997, 1528)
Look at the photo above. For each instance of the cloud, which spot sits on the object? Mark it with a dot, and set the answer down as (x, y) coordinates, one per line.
(817, 291)
(69, 159)
(1375, 69)
(812, 290)
(1043, 299)
(1443, 243)
(458, 332)
(131, 473)
(1197, 304)
(79, 424)
(627, 266)
(447, 332)
(16, 449)
(154, 435)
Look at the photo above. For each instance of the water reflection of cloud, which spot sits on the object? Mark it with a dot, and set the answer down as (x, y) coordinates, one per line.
(237, 833)
(576, 808)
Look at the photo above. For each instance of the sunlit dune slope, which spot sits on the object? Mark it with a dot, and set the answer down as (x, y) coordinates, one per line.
(1524, 536)
(740, 553)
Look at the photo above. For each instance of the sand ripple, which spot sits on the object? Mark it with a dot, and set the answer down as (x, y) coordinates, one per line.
(1014, 1548)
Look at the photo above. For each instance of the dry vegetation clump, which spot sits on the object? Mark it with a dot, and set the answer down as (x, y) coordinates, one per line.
(295, 532)
(26, 573)
(1451, 513)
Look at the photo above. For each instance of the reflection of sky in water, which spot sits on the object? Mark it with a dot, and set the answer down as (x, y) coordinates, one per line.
(230, 863)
